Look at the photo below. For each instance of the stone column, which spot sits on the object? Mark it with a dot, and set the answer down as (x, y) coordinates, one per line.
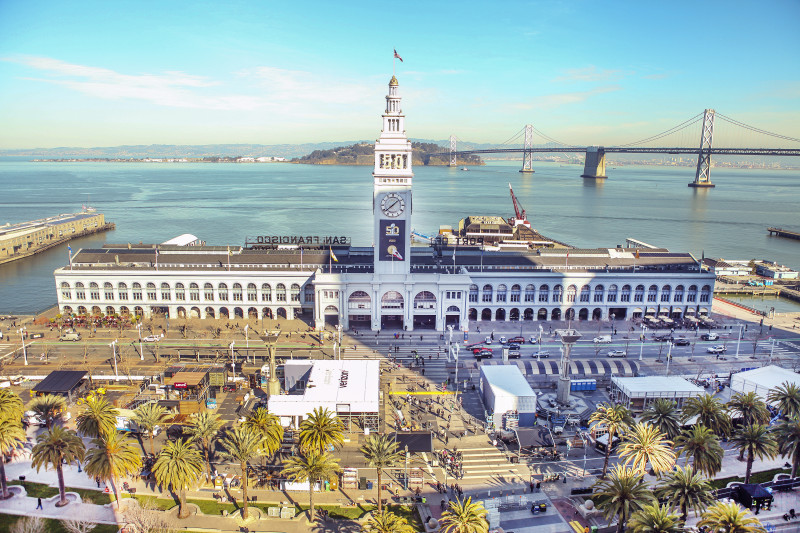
(595, 163)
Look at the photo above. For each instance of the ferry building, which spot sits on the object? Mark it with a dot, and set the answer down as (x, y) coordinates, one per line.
(391, 286)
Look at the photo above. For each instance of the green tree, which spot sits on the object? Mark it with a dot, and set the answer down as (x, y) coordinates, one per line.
(709, 411)
(663, 413)
(621, 495)
(757, 442)
(729, 518)
(654, 518)
(686, 490)
(381, 452)
(701, 445)
(112, 456)
(203, 428)
(616, 419)
(645, 443)
(321, 430)
(750, 407)
(310, 466)
(178, 466)
(787, 433)
(48, 407)
(386, 522)
(269, 427)
(55, 447)
(242, 444)
(147, 416)
(98, 417)
(11, 406)
(464, 516)
(787, 398)
(12, 436)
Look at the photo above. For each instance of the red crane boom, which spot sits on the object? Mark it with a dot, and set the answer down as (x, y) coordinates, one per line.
(519, 212)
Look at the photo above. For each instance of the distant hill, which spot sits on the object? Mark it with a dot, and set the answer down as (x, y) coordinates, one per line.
(363, 154)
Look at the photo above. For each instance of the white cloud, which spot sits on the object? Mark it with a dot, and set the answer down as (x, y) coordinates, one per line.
(550, 101)
(588, 74)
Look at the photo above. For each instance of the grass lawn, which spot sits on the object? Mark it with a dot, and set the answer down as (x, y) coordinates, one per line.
(755, 477)
(53, 526)
(40, 490)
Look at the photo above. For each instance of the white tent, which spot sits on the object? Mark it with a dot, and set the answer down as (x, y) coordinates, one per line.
(763, 380)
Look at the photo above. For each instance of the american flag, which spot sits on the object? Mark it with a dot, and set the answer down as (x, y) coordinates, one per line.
(397, 56)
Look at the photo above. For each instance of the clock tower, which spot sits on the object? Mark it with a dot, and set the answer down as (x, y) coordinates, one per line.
(391, 196)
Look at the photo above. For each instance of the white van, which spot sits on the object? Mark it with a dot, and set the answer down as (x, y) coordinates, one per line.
(70, 337)
(603, 339)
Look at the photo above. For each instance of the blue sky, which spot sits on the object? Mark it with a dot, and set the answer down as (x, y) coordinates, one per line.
(106, 73)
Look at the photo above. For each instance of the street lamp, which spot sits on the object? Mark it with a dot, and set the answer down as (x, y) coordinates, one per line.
(233, 360)
(141, 350)
(458, 346)
(247, 341)
(339, 330)
(641, 339)
(21, 332)
(406, 476)
(669, 356)
(270, 338)
(114, 356)
(449, 341)
(739, 341)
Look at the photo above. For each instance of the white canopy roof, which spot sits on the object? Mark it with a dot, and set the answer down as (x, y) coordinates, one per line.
(762, 380)
(648, 386)
(506, 380)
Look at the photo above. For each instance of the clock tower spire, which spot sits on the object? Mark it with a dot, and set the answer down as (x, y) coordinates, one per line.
(391, 198)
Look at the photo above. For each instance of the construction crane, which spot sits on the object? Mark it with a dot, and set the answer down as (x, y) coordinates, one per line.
(519, 218)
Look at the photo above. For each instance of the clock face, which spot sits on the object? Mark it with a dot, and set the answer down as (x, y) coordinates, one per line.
(393, 205)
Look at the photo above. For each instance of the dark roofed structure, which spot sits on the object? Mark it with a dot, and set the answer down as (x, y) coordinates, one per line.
(66, 383)
(417, 441)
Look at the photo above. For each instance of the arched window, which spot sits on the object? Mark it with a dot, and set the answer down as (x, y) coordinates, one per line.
(266, 292)
(295, 292)
(473, 293)
(359, 300)
(94, 291)
(66, 291)
(122, 291)
(652, 293)
(638, 294)
(501, 293)
(222, 292)
(392, 300)
(625, 296)
(208, 292)
(705, 293)
(180, 292)
(611, 297)
(572, 292)
(280, 292)
(237, 292)
(425, 300)
(679, 294)
(585, 293)
(252, 294)
(308, 295)
(530, 293)
(599, 294)
(691, 295)
(137, 291)
(515, 292)
(666, 293)
(108, 291)
(487, 293)
(557, 294)
(544, 293)
(151, 291)
(194, 292)
(166, 295)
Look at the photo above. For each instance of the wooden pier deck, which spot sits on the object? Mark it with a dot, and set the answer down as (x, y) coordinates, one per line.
(785, 233)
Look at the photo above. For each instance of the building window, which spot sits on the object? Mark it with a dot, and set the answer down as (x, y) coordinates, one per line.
(679, 293)
(544, 293)
(237, 292)
(166, 295)
(501, 293)
(137, 291)
(691, 295)
(80, 293)
(252, 294)
(309, 294)
(652, 293)
(208, 292)
(280, 292)
(122, 291)
(585, 293)
(705, 292)
(572, 292)
(612, 294)
(194, 292)
(487, 293)
(266, 292)
(638, 295)
(666, 291)
(626, 294)
(515, 293)
(473, 293)
(66, 292)
(295, 292)
(108, 291)
(222, 292)
(180, 292)
(151, 292)
(557, 294)
(94, 291)
(453, 295)
(599, 293)
(530, 293)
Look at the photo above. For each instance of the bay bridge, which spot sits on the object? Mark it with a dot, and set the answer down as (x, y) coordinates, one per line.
(673, 141)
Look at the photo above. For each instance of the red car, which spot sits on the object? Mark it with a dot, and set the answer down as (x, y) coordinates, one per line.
(517, 340)
(476, 351)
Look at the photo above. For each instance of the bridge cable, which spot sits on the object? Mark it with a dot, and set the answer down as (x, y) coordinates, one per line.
(679, 127)
(756, 130)
(514, 137)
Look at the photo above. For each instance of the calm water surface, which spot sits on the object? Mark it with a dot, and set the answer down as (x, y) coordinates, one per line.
(224, 203)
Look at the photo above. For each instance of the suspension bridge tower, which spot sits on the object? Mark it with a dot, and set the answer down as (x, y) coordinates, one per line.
(453, 148)
(527, 155)
(702, 177)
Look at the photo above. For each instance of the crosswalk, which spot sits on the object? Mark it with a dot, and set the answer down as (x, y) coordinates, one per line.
(486, 465)
(780, 349)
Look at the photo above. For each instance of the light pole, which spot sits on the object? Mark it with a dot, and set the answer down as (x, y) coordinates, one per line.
(247, 342)
(406, 476)
(669, 356)
(458, 346)
(233, 360)
(339, 330)
(114, 356)
(641, 340)
(24, 351)
(270, 338)
(772, 350)
(141, 350)
(449, 341)
(739, 341)
(584, 452)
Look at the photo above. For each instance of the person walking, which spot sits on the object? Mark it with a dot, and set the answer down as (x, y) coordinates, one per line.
(39, 504)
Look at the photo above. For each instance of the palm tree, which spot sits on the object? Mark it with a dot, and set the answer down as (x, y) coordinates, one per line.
(48, 407)
(709, 411)
(654, 518)
(646, 444)
(750, 407)
(381, 452)
(12, 436)
(787, 433)
(269, 427)
(203, 428)
(114, 455)
(702, 445)
(685, 489)
(97, 418)
(387, 522)
(621, 495)
(312, 466)
(464, 516)
(55, 447)
(242, 444)
(756, 441)
(663, 413)
(321, 430)
(147, 416)
(11, 407)
(616, 419)
(787, 398)
(730, 518)
(178, 465)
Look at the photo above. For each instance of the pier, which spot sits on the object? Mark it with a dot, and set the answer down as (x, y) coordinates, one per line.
(780, 232)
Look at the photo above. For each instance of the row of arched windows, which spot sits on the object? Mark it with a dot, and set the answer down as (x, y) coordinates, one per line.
(596, 294)
(180, 293)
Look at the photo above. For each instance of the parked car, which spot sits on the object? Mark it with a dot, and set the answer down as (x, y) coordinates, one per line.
(152, 338)
(488, 341)
(617, 353)
(229, 387)
(517, 340)
(513, 354)
(680, 341)
(719, 348)
(479, 350)
(543, 354)
(602, 339)
(513, 346)
(503, 340)
(662, 338)
(709, 336)
(484, 354)
(534, 339)
(70, 337)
